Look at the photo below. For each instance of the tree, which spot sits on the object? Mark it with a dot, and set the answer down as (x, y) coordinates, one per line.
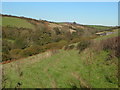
(74, 23)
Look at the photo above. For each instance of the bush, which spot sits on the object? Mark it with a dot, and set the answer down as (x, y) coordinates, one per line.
(66, 47)
(31, 51)
(5, 57)
(6, 46)
(15, 53)
(57, 32)
(75, 40)
(50, 46)
(83, 45)
(62, 43)
(20, 43)
(55, 45)
(71, 46)
(112, 44)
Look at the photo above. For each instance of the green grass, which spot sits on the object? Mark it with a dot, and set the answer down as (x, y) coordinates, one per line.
(65, 69)
(16, 22)
(99, 27)
(99, 70)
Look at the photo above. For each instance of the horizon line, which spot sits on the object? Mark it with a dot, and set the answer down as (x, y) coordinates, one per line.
(53, 21)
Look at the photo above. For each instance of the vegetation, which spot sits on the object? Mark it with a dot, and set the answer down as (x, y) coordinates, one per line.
(37, 33)
(83, 45)
(66, 69)
(58, 55)
(100, 27)
(20, 23)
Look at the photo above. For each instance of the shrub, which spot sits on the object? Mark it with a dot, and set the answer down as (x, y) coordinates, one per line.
(112, 44)
(74, 22)
(62, 43)
(31, 51)
(70, 47)
(5, 57)
(83, 45)
(15, 53)
(57, 32)
(50, 46)
(6, 46)
(55, 45)
(75, 40)
(66, 47)
(20, 43)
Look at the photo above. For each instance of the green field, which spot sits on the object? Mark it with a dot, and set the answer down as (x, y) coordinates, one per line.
(99, 27)
(16, 22)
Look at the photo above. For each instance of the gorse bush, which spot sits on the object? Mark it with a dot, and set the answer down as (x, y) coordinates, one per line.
(15, 53)
(71, 46)
(55, 45)
(66, 47)
(111, 44)
(31, 51)
(35, 49)
(6, 57)
(75, 40)
(83, 45)
(20, 43)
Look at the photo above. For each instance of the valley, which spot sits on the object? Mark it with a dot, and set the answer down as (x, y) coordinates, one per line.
(44, 54)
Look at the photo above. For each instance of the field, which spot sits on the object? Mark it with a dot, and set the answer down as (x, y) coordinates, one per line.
(20, 23)
(99, 27)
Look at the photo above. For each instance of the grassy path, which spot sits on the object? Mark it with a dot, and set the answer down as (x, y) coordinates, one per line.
(66, 69)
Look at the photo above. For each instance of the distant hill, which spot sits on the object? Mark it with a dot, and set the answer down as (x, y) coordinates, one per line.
(30, 36)
(25, 22)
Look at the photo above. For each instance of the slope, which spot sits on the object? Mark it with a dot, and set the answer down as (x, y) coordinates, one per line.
(64, 69)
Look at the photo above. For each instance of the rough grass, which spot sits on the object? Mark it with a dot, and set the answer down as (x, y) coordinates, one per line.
(66, 69)
(99, 27)
(16, 22)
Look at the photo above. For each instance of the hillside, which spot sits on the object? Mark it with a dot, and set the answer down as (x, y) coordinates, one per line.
(36, 36)
(64, 69)
(58, 55)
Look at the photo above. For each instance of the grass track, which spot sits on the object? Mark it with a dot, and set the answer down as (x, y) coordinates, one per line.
(66, 69)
